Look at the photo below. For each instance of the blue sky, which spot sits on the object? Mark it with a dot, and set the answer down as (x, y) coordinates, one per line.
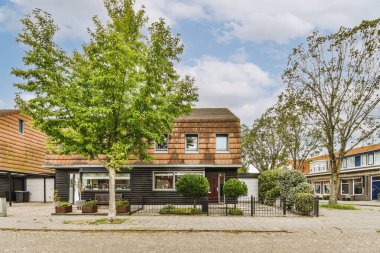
(236, 50)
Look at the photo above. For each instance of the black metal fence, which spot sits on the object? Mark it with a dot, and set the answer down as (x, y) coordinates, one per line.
(244, 206)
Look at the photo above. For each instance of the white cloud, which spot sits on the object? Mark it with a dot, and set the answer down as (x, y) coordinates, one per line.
(243, 87)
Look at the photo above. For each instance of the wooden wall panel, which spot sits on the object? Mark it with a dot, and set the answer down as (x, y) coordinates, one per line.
(24, 153)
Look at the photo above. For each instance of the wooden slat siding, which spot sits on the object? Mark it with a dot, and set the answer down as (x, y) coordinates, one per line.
(141, 185)
(177, 155)
(4, 186)
(21, 153)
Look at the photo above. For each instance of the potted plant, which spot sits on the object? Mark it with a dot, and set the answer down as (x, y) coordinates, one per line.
(122, 206)
(90, 207)
(63, 207)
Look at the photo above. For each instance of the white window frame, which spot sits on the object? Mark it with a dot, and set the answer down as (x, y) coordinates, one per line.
(228, 143)
(344, 165)
(117, 176)
(192, 150)
(364, 160)
(341, 187)
(162, 151)
(353, 186)
(320, 188)
(373, 159)
(174, 173)
(323, 190)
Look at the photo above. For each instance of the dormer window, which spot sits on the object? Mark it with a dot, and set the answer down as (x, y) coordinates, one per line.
(21, 128)
(162, 147)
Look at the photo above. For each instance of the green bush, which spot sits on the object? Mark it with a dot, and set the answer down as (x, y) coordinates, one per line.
(326, 196)
(235, 211)
(63, 203)
(193, 186)
(122, 202)
(269, 186)
(304, 203)
(300, 188)
(234, 188)
(289, 179)
(90, 203)
(170, 209)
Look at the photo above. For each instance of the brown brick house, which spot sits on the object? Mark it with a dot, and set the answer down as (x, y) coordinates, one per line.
(206, 142)
(22, 154)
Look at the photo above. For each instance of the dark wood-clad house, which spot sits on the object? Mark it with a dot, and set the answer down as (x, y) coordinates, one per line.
(22, 155)
(207, 142)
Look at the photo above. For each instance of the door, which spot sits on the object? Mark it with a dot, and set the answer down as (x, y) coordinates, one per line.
(375, 188)
(36, 188)
(74, 190)
(213, 193)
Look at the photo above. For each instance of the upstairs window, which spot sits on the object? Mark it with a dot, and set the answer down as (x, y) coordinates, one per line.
(21, 128)
(344, 163)
(364, 160)
(370, 159)
(191, 144)
(222, 142)
(162, 147)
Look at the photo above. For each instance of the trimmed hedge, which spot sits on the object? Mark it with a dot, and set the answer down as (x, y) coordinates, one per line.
(170, 209)
(235, 211)
(304, 203)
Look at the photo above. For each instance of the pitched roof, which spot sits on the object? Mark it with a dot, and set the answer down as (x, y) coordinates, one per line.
(8, 111)
(209, 114)
(353, 151)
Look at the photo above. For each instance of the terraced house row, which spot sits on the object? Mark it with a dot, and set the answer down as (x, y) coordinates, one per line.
(206, 142)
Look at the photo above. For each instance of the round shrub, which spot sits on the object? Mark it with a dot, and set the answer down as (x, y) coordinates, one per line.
(301, 188)
(304, 203)
(193, 186)
(234, 188)
(289, 179)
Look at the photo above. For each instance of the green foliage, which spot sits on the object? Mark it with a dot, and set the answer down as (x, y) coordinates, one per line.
(90, 203)
(122, 202)
(326, 196)
(170, 209)
(63, 203)
(193, 186)
(235, 211)
(304, 203)
(303, 187)
(243, 169)
(269, 186)
(289, 179)
(56, 197)
(234, 188)
(338, 206)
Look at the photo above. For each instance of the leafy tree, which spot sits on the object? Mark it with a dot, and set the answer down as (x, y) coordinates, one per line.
(234, 188)
(269, 185)
(110, 100)
(261, 145)
(337, 78)
(193, 186)
(289, 179)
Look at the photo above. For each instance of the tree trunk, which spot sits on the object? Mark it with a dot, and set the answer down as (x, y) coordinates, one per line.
(112, 201)
(334, 188)
(195, 203)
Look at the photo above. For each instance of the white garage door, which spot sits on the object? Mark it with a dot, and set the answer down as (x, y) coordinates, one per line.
(253, 186)
(36, 187)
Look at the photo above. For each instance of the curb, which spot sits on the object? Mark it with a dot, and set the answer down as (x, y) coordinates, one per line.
(232, 231)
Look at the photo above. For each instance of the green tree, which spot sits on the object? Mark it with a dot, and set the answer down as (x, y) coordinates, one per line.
(234, 188)
(111, 99)
(289, 179)
(337, 78)
(269, 185)
(193, 186)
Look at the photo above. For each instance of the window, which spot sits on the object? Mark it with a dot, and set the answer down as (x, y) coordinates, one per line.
(166, 180)
(370, 159)
(345, 163)
(350, 162)
(191, 142)
(358, 187)
(317, 188)
(163, 146)
(100, 181)
(345, 187)
(326, 188)
(377, 157)
(364, 160)
(222, 142)
(21, 126)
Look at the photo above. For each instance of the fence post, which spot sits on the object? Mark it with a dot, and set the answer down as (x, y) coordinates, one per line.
(254, 205)
(316, 207)
(251, 205)
(284, 206)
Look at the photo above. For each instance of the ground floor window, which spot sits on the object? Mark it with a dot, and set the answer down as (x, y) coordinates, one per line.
(317, 188)
(100, 181)
(326, 188)
(166, 180)
(358, 187)
(345, 187)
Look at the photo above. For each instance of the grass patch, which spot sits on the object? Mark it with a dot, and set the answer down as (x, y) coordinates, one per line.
(339, 206)
(103, 221)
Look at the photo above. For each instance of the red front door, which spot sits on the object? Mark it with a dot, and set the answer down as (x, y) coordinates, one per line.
(213, 193)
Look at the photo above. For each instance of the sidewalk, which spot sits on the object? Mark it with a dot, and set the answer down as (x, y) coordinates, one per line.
(31, 216)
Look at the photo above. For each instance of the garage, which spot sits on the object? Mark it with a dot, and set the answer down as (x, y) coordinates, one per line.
(252, 182)
(40, 191)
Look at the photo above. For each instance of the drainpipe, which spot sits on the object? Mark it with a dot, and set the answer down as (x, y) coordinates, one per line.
(10, 188)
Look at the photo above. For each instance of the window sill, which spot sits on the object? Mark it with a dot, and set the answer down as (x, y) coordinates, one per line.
(191, 151)
(222, 151)
(164, 190)
(161, 152)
